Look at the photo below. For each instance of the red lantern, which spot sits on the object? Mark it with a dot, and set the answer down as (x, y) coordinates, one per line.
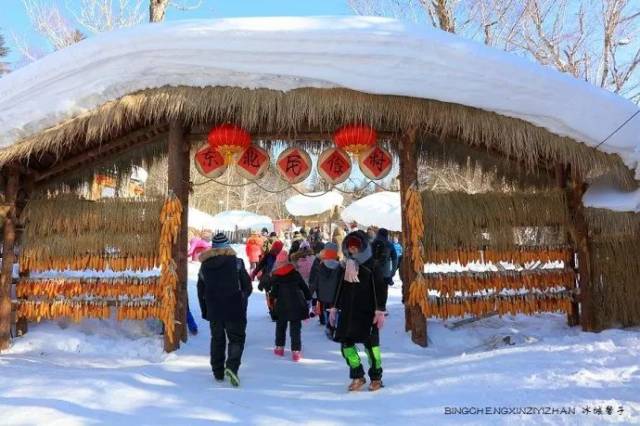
(229, 140)
(253, 163)
(294, 165)
(375, 163)
(355, 138)
(334, 166)
(209, 162)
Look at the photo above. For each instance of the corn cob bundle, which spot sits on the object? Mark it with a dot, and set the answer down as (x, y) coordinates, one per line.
(418, 294)
(522, 256)
(474, 282)
(529, 304)
(74, 310)
(75, 287)
(170, 217)
(29, 262)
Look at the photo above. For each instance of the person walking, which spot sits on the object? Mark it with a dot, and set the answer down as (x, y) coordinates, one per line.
(292, 297)
(223, 291)
(358, 312)
(254, 249)
(263, 270)
(325, 278)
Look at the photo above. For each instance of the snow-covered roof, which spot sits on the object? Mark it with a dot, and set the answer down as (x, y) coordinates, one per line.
(313, 203)
(368, 54)
(381, 209)
(229, 220)
(606, 197)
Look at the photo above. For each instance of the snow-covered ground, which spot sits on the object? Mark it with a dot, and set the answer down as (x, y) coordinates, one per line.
(98, 373)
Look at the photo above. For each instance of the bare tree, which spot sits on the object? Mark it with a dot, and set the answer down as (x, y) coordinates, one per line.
(158, 8)
(4, 51)
(594, 40)
(104, 15)
(49, 21)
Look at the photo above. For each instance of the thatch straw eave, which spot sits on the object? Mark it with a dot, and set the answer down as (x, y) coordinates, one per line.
(297, 111)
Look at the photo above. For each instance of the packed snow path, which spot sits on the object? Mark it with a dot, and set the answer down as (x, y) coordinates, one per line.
(96, 374)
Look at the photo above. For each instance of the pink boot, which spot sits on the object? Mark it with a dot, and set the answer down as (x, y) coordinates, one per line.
(278, 350)
(296, 356)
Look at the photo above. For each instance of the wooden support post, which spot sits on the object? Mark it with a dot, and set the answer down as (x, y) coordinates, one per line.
(573, 317)
(414, 319)
(24, 194)
(178, 182)
(8, 258)
(580, 234)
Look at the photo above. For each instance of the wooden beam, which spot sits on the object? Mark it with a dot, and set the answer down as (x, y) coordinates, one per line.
(201, 137)
(178, 183)
(573, 317)
(24, 194)
(8, 258)
(580, 234)
(414, 319)
(98, 153)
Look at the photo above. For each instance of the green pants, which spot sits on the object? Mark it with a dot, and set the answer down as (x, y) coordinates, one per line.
(351, 356)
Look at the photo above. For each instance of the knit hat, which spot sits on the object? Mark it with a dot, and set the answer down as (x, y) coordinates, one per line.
(273, 234)
(330, 252)
(220, 241)
(383, 233)
(282, 259)
(352, 241)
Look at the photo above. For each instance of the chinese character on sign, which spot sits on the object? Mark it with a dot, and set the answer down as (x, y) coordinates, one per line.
(586, 410)
(597, 410)
(335, 166)
(376, 163)
(209, 162)
(253, 162)
(294, 165)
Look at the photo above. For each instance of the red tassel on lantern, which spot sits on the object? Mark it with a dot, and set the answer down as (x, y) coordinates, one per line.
(355, 138)
(229, 140)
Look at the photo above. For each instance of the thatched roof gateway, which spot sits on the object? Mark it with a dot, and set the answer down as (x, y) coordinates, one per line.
(124, 88)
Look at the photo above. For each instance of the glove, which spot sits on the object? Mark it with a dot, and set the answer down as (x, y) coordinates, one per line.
(378, 319)
(333, 316)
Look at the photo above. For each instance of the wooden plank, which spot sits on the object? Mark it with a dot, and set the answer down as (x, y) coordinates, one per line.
(414, 319)
(8, 258)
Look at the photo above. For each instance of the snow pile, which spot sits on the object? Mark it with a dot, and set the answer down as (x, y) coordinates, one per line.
(604, 197)
(199, 219)
(369, 54)
(313, 203)
(381, 209)
(239, 219)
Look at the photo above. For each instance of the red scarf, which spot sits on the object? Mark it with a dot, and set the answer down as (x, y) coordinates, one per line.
(284, 270)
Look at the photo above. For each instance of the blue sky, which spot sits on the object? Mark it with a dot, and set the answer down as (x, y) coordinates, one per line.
(13, 18)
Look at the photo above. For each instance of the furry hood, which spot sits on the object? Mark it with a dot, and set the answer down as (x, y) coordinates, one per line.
(213, 252)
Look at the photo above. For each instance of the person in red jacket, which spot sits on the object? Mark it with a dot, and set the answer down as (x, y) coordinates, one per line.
(254, 249)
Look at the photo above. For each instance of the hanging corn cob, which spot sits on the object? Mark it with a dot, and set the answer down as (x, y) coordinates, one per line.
(170, 225)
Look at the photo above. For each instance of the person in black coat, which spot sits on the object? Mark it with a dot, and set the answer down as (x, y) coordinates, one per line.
(292, 297)
(385, 255)
(264, 267)
(223, 290)
(324, 280)
(361, 302)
